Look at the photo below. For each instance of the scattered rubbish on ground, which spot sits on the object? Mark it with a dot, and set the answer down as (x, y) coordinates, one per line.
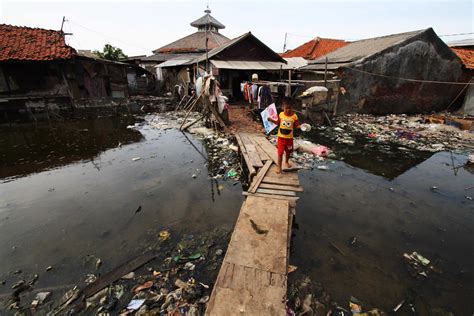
(174, 282)
(407, 131)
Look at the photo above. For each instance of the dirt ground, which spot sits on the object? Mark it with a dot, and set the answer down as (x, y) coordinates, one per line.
(241, 120)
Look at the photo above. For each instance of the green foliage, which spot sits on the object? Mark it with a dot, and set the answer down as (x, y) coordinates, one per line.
(111, 53)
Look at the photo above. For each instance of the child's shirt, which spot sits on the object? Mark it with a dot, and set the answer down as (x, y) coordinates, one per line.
(287, 125)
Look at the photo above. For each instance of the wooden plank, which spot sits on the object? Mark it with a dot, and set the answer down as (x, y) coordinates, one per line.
(110, 277)
(251, 151)
(243, 151)
(256, 292)
(263, 155)
(291, 199)
(258, 179)
(280, 187)
(283, 181)
(267, 147)
(260, 235)
(292, 175)
(276, 192)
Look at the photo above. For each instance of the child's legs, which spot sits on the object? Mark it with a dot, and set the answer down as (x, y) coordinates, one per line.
(288, 150)
(281, 150)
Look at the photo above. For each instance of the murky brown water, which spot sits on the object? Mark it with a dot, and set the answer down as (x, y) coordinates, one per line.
(59, 205)
(71, 190)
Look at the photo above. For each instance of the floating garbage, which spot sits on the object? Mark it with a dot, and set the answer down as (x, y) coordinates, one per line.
(164, 235)
(418, 265)
(136, 158)
(135, 304)
(40, 298)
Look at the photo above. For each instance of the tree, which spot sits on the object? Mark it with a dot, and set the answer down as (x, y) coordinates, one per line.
(111, 53)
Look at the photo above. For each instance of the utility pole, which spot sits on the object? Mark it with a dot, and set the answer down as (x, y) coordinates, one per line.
(284, 44)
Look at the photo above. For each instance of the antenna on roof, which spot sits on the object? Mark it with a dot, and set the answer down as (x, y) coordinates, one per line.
(62, 23)
(208, 11)
(284, 43)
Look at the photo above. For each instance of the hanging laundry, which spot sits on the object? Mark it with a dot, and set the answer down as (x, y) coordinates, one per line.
(265, 97)
(254, 92)
(246, 91)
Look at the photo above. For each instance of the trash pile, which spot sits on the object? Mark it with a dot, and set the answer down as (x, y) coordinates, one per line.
(176, 281)
(407, 131)
(308, 155)
(309, 298)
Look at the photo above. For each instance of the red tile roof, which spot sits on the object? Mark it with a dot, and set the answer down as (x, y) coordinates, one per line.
(466, 55)
(315, 48)
(25, 43)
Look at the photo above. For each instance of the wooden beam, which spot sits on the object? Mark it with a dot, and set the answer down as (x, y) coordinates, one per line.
(280, 187)
(276, 192)
(258, 179)
(273, 180)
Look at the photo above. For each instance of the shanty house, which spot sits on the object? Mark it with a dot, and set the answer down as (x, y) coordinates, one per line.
(39, 71)
(465, 51)
(401, 73)
(233, 63)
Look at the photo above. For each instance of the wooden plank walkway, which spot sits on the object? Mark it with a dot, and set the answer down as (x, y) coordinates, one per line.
(253, 276)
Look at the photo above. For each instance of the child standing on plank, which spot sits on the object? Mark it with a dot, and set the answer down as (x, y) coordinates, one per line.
(287, 121)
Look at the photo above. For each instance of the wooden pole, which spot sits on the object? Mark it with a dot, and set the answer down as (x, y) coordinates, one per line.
(334, 113)
(326, 72)
(289, 82)
(190, 109)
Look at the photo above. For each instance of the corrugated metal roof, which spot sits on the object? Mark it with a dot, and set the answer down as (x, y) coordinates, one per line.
(464, 42)
(292, 63)
(174, 62)
(359, 50)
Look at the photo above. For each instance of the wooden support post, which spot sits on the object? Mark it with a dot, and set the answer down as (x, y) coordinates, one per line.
(326, 72)
(334, 113)
(190, 109)
(289, 83)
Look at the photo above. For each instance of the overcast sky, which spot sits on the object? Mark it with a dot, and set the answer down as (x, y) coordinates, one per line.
(139, 27)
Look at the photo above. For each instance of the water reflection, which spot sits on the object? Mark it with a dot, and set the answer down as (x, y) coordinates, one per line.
(388, 161)
(388, 218)
(32, 148)
(60, 216)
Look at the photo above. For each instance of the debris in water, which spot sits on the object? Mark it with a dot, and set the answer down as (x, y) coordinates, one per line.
(396, 308)
(136, 158)
(139, 209)
(49, 268)
(322, 167)
(40, 298)
(164, 235)
(135, 304)
(143, 286)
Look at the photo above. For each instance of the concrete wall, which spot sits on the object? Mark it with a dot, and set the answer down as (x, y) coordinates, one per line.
(423, 57)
